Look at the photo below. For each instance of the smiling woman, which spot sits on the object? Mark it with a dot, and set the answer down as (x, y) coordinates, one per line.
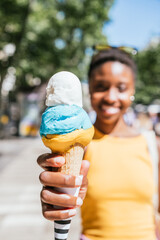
(118, 203)
(117, 206)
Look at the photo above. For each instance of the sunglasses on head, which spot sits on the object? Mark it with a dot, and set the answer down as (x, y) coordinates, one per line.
(126, 49)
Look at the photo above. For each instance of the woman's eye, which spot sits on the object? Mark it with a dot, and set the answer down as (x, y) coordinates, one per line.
(122, 88)
(100, 88)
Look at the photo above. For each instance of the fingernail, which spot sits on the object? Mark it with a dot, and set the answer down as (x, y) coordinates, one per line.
(78, 181)
(59, 160)
(79, 201)
(72, 212)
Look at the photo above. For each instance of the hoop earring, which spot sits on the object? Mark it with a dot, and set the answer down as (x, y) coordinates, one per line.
(132, 98)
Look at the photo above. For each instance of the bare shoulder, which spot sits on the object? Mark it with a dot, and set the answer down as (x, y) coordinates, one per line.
(126, 132)
(132, 132)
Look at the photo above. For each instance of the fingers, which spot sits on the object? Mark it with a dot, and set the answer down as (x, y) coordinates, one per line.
(57, 179)
(55, 214)
(50, 160)
(52, 197)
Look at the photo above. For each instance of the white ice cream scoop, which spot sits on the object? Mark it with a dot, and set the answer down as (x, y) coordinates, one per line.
(64, 88)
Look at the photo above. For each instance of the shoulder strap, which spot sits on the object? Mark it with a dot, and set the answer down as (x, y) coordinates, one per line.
(153, 150)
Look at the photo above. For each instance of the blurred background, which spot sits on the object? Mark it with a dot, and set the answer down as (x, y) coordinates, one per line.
(39, 38)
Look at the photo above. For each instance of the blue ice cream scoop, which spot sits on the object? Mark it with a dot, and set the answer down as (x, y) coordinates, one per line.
(63, 119)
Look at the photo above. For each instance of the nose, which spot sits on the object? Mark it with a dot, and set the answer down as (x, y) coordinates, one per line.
(111, 95)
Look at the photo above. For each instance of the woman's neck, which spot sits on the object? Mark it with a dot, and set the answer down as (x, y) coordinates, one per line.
(117, 129)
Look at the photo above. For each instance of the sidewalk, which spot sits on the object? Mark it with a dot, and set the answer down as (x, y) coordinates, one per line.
(20, 210)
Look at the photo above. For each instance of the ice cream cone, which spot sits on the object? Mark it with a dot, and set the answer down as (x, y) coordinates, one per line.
(72, 166)
(66, 129)
(73, 160)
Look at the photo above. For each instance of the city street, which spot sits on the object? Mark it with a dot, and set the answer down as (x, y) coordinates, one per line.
(20, 210)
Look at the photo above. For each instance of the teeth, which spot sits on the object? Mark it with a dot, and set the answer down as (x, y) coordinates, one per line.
(110, 110)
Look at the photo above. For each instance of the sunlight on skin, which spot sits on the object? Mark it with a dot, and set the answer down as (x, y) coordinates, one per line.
(117, 68)
(124, 96)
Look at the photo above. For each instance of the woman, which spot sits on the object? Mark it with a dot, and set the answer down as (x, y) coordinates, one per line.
(118, 203)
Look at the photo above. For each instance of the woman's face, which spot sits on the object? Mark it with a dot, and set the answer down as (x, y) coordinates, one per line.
(111, 85)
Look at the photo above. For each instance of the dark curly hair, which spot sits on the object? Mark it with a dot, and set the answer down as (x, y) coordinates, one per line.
(112, 54)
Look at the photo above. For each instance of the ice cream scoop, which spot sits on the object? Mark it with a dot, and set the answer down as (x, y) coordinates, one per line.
(63, 126)
(66, 129)
(64, 88)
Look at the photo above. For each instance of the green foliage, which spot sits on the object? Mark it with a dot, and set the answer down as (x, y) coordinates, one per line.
(49, 36)
(148, 82)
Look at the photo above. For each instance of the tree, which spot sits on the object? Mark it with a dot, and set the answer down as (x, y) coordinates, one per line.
(148, 82)
(48, 36)
(13, 18)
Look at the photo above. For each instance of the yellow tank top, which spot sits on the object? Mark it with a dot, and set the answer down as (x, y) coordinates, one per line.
(118, 204)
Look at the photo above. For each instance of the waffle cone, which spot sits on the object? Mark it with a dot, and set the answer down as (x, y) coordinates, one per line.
(73, 160)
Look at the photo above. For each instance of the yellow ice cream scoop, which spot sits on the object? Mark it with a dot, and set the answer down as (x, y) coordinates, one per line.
(63, 143)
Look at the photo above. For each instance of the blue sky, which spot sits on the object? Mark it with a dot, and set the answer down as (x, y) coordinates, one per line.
(133, 22)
